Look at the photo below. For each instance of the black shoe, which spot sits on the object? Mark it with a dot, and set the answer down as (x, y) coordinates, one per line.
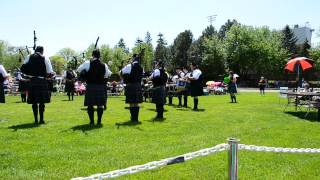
(41, 122)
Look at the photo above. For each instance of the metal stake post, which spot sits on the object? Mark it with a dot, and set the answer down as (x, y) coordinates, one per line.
(233, 158)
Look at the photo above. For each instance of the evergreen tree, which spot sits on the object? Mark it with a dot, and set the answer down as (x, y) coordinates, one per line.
(148, 38)
(121, 44)
(181, 47)
(209, 32)
(226, 27)
(289, 40)
(160, 52)
(305, 49)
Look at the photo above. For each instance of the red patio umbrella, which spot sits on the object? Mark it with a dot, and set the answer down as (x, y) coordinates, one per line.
(301, 62)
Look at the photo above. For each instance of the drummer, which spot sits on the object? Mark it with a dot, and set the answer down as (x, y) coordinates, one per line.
(179, 77)
(186, 92)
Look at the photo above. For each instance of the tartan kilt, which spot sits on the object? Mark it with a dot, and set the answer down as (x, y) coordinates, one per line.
(133, 93)
(69, 86)
(2, 98)
(196, 90)
(95, 95)
(232, 88)
(23, 86)
(38, 91)
(159, 95)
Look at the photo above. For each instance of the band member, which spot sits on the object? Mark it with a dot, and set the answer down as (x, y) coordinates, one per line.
(262, 85)
(70, 77)
(23, 86)
(95, 74)
(186, 93)
(132, 75)
(159, 80)
(3, 76)
(195, 84)
(38, 68)
(170, 88)
(232, 87)
(180, 76)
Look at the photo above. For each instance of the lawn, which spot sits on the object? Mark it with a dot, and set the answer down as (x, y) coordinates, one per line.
(67, 147)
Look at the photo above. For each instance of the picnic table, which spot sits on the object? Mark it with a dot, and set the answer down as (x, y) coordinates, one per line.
(307, 98)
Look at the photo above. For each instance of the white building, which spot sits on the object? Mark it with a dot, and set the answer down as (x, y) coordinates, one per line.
(302, 34)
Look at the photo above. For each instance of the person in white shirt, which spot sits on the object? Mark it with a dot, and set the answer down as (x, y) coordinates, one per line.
(159, 79)
(95, 74)
(132, 75)
(195, 84)
(186, 92)
(3, 77)
(38, 68)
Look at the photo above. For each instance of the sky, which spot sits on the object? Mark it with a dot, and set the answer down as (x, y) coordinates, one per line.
(77, 23)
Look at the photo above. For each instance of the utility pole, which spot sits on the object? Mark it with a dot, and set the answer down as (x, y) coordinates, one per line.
(212, 18)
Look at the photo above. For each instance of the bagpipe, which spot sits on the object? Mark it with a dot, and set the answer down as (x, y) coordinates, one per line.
(83, 73)
(25, 69)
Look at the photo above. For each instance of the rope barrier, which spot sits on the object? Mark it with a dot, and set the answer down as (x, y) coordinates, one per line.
(233, 147)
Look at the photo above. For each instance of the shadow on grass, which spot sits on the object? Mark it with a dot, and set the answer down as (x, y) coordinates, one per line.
(153, 120)
(129, 124)
(189, 109)
(152, 109)
(66, 100)
(18, 102)
(86, 127)
(24, 126)
(312, 116)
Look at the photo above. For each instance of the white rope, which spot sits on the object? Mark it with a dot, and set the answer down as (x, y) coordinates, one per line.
(191, 155)
(156, 164)
(277, 149)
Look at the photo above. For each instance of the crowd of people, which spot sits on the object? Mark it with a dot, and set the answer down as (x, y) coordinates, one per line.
(36, 74)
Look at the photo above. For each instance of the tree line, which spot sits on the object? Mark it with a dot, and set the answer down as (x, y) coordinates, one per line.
(248, 51)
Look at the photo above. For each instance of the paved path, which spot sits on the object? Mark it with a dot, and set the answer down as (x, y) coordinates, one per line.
(257, 90)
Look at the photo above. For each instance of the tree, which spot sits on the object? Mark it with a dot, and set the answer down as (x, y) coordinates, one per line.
(305, 49)
(67, 53)
(315, 55)
(9, 56)
(161, 51)
(226, 27)
(147, 55)
(119, 59)
(254, 51)
(209, 32)
(106, 53)
(213, 60)
(181, 46)
(122, 44)
(58, 63)
(148, 38)
(289, 40)
(197, 48)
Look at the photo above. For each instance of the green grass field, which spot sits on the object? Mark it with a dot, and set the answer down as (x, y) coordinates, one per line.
(67, 147)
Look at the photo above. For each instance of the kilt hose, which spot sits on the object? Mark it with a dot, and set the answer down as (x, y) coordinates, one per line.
(2, 98)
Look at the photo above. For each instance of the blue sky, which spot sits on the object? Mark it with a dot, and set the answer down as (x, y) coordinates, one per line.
(77, 23)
